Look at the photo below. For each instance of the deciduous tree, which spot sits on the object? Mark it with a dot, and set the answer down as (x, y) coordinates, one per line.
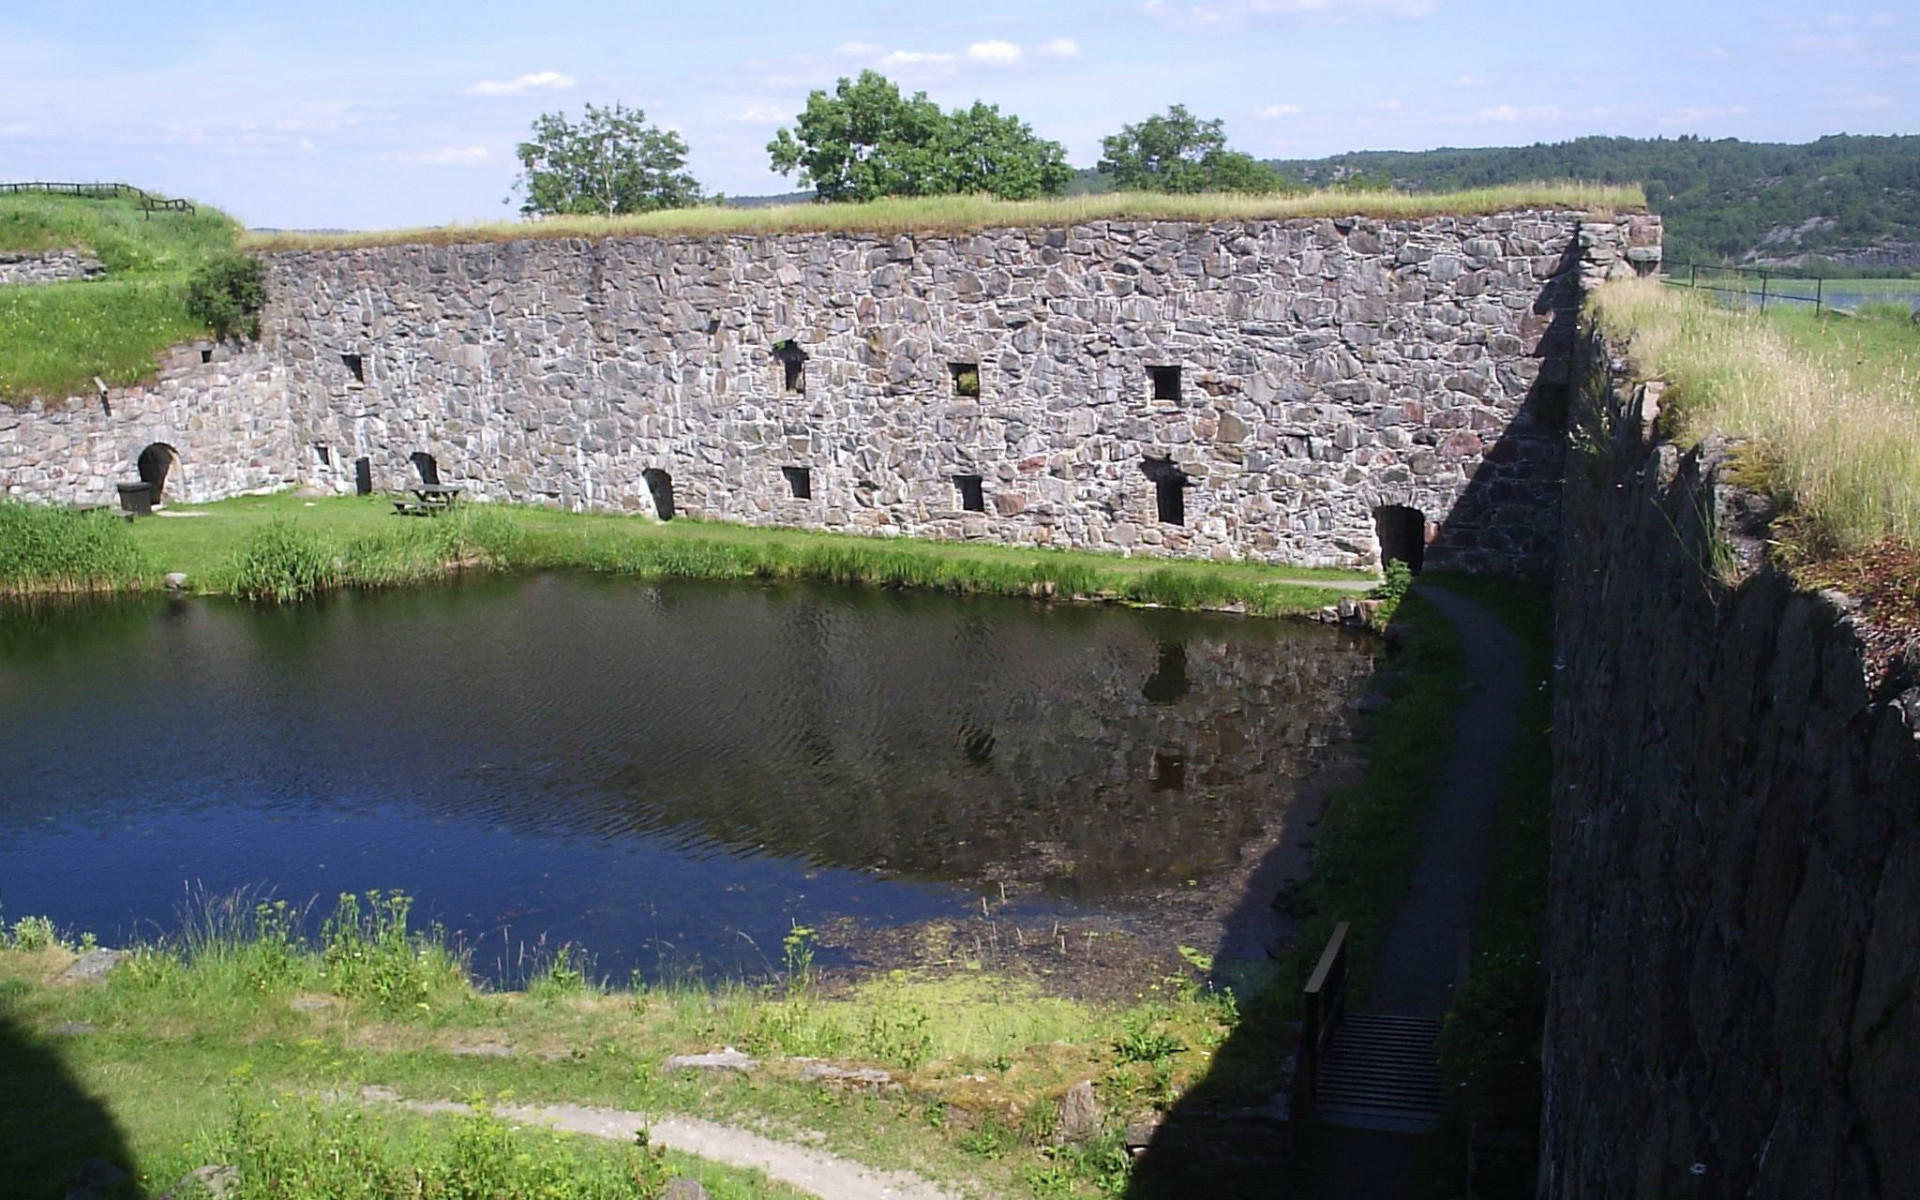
(612, 161)
(867, 140)
(1179, 152)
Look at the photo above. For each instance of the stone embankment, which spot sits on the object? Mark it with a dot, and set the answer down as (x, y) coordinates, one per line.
(48, 266)
(1734, 930)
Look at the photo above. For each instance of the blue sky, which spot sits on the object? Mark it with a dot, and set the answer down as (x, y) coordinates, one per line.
(368, 113)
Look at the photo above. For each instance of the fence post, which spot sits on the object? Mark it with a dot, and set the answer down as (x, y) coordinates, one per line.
(1819, 294)
(1763, 291)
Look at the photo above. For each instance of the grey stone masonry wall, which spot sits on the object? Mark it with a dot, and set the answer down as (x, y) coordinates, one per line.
(48, 266)
(1733, 936)
(1326, 368)
(225, 419)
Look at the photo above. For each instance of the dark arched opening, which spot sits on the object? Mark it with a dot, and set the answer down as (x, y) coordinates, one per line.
(793, 365)
(429, 469)
(155, 463)
(660, 487)
(1403, 535)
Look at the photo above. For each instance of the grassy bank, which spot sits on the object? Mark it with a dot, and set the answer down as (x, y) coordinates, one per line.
(55, 338)
(1830, 401)
(284, 547)
(964, 214)
(213, 1046)
(64, 551)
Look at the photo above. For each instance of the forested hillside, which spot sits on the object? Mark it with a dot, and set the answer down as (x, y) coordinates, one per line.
(1841, 201)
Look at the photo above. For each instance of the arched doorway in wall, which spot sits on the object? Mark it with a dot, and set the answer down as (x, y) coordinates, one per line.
(660, 487)
(1403, 535)
(425, 464)
(155, 464)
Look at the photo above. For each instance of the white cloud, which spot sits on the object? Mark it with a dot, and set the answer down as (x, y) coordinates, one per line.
(856, 50)
(1827, 42)
(994, 53)
(535, 81)
(446, 156)
(1233, 12)
(1506, 114)
(1391, 105)
(1694, 116)
(1469, 81)
(916, 58)
(1274, 112)
(1058, 48)
(759, 114)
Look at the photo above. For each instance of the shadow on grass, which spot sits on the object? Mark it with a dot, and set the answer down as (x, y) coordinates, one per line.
(50, 1126)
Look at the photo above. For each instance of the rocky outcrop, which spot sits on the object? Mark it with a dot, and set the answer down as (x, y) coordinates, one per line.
(1734, 926)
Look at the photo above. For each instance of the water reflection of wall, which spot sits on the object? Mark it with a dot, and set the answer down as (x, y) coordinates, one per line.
(1087, 750)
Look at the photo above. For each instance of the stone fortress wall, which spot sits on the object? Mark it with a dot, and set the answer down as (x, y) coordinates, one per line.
(1733, 932)
(48, 266)
(1243, 390)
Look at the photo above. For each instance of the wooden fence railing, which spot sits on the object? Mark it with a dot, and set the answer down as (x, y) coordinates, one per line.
(148, 202)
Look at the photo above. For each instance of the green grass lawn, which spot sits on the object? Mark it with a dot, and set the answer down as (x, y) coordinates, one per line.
(54, 338)
(369, 545)
(188, 1045)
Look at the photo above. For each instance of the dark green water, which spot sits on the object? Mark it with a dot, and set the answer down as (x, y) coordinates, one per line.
(668, 775)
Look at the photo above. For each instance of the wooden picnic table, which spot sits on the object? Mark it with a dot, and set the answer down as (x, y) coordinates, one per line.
(430, 500)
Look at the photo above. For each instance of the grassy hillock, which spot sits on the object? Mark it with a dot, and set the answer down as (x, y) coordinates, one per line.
(54, 338)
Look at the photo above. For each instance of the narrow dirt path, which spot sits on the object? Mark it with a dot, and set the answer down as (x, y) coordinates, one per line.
(825, 1175)
(1419, 963)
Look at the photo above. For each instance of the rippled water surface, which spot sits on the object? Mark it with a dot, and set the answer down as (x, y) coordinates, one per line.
(668, 775)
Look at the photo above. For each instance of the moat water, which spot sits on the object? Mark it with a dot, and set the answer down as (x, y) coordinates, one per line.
(669, 776)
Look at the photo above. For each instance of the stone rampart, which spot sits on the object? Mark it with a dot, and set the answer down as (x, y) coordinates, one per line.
(1247, 390)
(1733, 938)
(220, 426)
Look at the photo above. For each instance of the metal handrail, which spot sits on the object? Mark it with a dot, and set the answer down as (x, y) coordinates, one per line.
(1325, 1004)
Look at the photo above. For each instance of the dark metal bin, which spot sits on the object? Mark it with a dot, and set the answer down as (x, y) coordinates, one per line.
(137, 498)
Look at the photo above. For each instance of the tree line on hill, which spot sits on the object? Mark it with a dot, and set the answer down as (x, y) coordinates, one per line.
(1842, 204)
(1839, 205)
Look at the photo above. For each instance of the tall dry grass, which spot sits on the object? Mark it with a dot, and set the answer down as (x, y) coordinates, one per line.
(964, 214)
(1840, 438)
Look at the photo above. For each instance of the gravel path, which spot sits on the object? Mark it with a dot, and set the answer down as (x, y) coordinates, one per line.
(825, 1175)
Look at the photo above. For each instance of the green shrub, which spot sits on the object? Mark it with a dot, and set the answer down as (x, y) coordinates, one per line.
(282, 563)
(1392, 590)
(367, 952)
(33, 933)
(226, 294)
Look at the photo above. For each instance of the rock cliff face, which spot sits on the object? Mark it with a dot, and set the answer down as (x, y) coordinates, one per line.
(1734, 930)
(1255, 390)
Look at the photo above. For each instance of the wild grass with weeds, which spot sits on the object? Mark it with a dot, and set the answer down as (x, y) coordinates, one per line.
(47, 549)
(1831, 400)
(965, 214)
